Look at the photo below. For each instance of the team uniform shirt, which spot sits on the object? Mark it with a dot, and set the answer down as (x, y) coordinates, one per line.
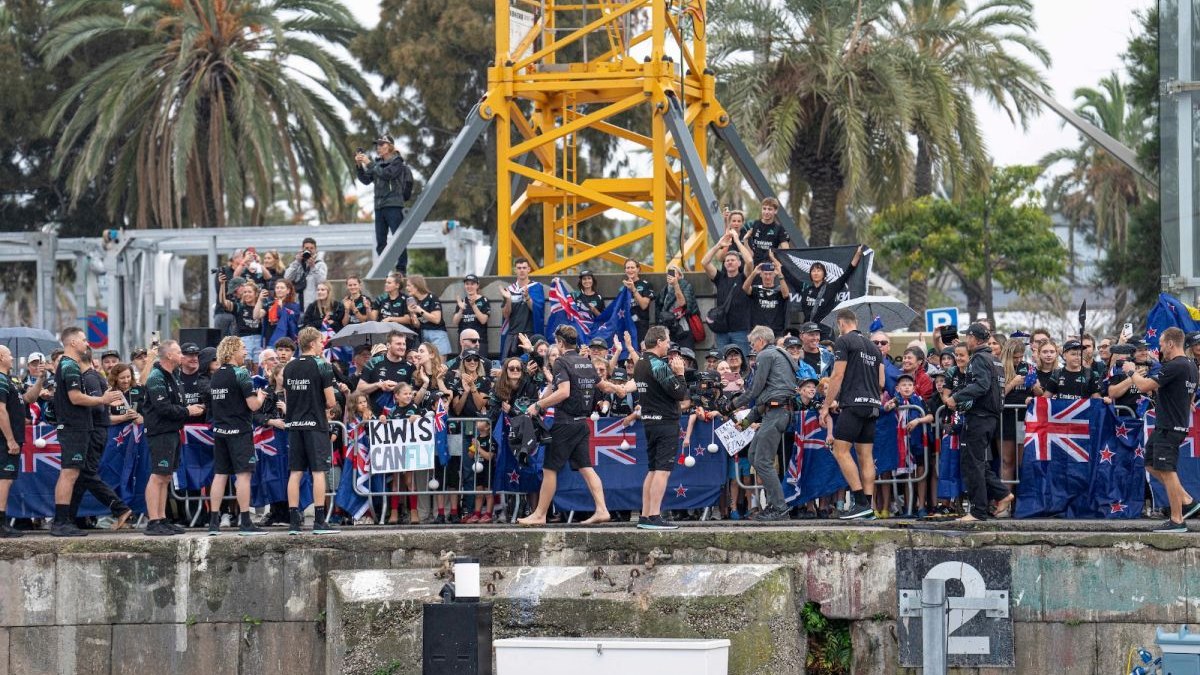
(641, 317)
(231, 386)
(730, 294)
(1019, 393)
(768, 307)
(12, 393)
(360, 306)
(164, 410)
(483, 384)
(94, 384)
(406, 411)
(1132, 396)
(659, 389)
(520, 314)
(761, 238)
(1065, 384)
(390, 308)
(431, 304)
(581, 374)
(69, 377)
(1045, 378)
(813, 359)
(589, 302)
(469, 320)
(382, 369)
(195, 391)
(243, 319)
(1176, 387)
(305, 380)
(860, 381)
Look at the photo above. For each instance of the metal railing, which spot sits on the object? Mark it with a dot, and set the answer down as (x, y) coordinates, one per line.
(486, 469)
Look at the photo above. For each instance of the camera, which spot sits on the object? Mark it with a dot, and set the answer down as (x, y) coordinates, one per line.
(306, 254)
(215, 271)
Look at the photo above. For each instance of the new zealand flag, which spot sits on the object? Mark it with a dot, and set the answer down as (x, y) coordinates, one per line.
(1055, 469)
(1118, 481)
(32, 493)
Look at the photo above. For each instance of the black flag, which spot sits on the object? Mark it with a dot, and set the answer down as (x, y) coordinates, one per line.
(1082, 318)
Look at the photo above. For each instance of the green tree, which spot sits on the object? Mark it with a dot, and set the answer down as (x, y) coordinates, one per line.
(997, 234)
(220, 108)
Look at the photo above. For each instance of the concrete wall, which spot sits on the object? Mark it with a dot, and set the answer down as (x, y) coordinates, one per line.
(124, 604)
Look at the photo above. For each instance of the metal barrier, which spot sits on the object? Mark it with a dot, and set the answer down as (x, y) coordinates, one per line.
(442, 483)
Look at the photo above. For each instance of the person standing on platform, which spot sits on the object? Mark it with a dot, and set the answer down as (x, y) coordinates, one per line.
(571, 394)
(661, 388)
(772, 392)
(1175, 383)
(165, 415)
(233, 401)
(308, 382)
(14, 406)
(393, 187)
(980, 402)
(72, 409)
(95, 385)
(854, 392)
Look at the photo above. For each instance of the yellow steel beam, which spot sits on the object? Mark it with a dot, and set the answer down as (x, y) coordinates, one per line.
(527, 131)
(577, 34)
(576, 125)
(610, 245)
(590, 196)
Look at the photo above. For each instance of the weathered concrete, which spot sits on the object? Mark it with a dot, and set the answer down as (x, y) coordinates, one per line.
(375, 616)
(1082, 594)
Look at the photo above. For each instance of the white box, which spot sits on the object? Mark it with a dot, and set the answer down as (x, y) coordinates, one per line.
(607, 656)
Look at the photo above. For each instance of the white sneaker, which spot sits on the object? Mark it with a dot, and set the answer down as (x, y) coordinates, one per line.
(226, 520)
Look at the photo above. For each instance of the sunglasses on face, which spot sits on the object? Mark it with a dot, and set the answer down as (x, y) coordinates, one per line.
(881, 343)
(513, 370)
(470, 339)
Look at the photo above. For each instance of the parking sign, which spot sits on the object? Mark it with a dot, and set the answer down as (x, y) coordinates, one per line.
(942, 316)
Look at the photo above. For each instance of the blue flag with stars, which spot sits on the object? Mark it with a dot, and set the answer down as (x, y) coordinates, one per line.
(1118, 480)
(1168, 312)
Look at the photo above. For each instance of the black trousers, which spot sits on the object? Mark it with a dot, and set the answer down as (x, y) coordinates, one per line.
(387, 221)
(89, 477)
(982, 484)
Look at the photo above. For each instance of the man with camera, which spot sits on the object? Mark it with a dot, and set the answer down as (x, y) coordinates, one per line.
(393, 187)
(768, 293)
(661, 388)
(306, 271)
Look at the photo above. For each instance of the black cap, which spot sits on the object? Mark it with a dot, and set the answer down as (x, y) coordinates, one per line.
(598, 343)
(810, 327)
(1123, 349)
(768, 267)
(1070, 345)
(978, 331)
(190, 348)
(385, 138)
(470, 354)
(733, 348)
(791, 341)
(586, 273)
(138, 352)
(618, 375)
(1139, 344)
(472, 278)
(687, 353)
(712, 354)
(673, 348)
(905, 376)
(805, 380)
(1191, 340)
(110, 352)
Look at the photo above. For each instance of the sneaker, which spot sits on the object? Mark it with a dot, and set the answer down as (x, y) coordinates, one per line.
(440, 519)
(485, 519)
(324, 528)
(1190, 510)
(158, 528)
(453, 519)
(214, 529)
(1172, 527)
(883, 514)
(654, 523)
(472, 519)
(66, 530)
(770, 514)
(296, 523)
(175, 528)
(7, 532)
(250, 530)
(922, 513)
(856, 511)
(734, 515)
(226, 520)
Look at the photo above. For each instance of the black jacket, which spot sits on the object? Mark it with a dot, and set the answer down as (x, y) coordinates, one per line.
(164, 412)
(392, 178)
(981, 393)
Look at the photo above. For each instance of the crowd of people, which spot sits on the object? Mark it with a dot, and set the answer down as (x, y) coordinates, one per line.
(772, 358)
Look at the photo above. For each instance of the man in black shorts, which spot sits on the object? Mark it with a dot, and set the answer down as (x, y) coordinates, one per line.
(14, 406)
(661, 386)
(95, 385)
(308, 382)
(74, 415)
(233, 401)
(979, 403)
(573, 392)
(1175, 383)
(164, 415)
(854, 389)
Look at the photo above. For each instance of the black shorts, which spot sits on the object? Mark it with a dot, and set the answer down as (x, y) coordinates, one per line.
(164, 453)
(73, 447)
(855, 424)
(1162, 450)
(233, 453)
(662, 445)
(568, 441)
(10, 465)
(309, 450)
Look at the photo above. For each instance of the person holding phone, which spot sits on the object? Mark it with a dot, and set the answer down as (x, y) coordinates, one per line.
(768, 293)
(643, 296)
(472, 312)
(675, 305)
(393, 183)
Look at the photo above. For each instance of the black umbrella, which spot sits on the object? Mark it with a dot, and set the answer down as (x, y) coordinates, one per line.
(366, 333)
(893, 314)
(23, 341)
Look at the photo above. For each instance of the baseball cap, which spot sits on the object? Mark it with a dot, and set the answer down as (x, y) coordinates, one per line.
(713, 354)
(810, 327)
(190, 348)
(733, 348)
(385, 138)
(110, 352)
(791, 341)
(1072, 344)
(471, 278)
(619, 375)
(470, 354)
(586, 273)
(688, 353)
(673, 348)
(138, 352)
(978, 331)
(1139, 344)
(805, 380)
(905, 376)
(768, 267)
(1192, 340)
(598, 343)
(1124, 349)
(35, 356)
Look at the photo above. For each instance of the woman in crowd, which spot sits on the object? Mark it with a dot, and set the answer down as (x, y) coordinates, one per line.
(120, 377)
(676, 304)
(279, 313)
(429, 379)
(392, 306)
(324, 313)
(512, 394)
(1016, 392)
(821, 296)
(356, 306)
(913, 365)
(587, 295)
(272, 266)
(425, 310)
(473, 311)
(1047, 363)
(246, 325)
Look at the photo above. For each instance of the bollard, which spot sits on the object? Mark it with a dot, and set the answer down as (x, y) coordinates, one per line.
(933, 626)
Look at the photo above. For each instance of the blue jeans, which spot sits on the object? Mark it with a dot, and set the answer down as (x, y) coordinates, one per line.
(439, 339)
(737, 337)
(387, 221)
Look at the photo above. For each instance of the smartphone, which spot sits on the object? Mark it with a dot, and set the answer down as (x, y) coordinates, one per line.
(1127, 331)
(154, 341)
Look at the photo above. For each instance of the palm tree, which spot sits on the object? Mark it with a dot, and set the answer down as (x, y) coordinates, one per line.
(216, 100)
(832, 96)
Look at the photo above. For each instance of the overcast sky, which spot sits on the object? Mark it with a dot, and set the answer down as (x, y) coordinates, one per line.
(1085, 39)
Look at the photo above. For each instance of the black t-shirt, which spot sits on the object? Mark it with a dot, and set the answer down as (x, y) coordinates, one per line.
(244, 321)
(195, 390)
(642, 316)
(1176, 387)
(729, 290)
(761, 238)
(1065, 384)
(768, 307)
(469, 320)
(94, 384)
(579, 371)
(659, 389)
(382, 369)
(360, 304)
(520, 314)
(860, 381)
(391, 307)
(1131, 396)
(813, 359)
(1045, 378)
(305, 380)
(12, 392)
(483, 384)
(431, 304)
(1019, 393)
(230, 387)
(589, 302)
(69, 377)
